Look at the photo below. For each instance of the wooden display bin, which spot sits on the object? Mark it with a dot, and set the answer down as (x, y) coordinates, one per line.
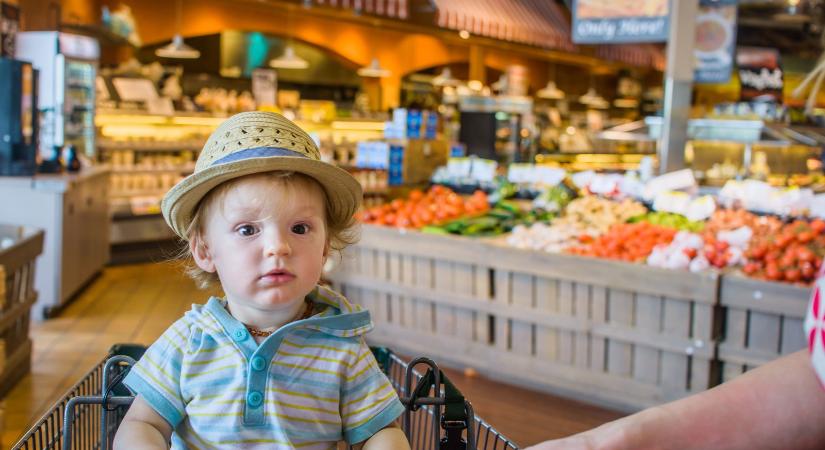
(618, 334)
(763, 321)
(17, 295)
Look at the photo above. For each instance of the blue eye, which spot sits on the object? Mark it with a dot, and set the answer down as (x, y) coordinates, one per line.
(246, 230)
(300, 228)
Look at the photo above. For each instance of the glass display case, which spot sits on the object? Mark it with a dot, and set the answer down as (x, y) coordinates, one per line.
(719, 150)
(67, 66)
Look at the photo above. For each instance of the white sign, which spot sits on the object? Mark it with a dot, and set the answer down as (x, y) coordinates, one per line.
(265, 87)
(134, 89)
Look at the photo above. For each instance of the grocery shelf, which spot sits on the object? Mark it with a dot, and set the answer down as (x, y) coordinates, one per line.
(183, 169)
(150, 146)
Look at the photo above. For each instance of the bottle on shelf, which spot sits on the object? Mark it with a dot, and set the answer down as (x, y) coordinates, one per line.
(51, 163)
(70, 159)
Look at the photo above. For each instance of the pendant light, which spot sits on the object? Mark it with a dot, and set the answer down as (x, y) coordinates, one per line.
(445, 78)
(289, 60)
(373, 70)
(177, 49)
(594, 100)
(550, 92)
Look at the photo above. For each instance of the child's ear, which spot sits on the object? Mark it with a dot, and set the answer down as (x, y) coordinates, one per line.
(201, 255)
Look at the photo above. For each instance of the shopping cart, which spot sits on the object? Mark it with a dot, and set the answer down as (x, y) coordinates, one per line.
(435, 418)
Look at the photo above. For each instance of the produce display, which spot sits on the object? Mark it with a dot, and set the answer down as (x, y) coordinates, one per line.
(553, 238)
(632, 242)
(502, 218)
(554, 199)
(595, 215)
(761, 246)
(793, 253)
(731, 219)
(670, 220)
(681, 253)
(437, 206)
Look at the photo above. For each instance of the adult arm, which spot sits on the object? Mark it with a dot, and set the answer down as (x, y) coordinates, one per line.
(777, 406)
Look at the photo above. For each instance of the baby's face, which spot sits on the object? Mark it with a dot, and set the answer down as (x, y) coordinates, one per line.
(266, 238)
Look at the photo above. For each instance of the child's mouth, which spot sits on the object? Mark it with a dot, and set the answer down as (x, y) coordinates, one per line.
(278, 277)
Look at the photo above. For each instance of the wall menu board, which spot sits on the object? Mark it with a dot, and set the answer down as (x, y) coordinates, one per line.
(715, 41)
(620, 21)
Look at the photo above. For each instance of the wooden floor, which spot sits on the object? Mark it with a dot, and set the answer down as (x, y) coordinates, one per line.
(136, 303)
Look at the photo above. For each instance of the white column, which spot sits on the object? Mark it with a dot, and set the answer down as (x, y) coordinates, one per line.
(678, 84)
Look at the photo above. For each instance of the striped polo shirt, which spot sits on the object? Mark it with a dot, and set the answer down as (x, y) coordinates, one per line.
(311, 383)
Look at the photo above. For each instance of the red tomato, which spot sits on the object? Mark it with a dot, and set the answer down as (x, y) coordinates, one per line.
(772, 273)
(808, 271)
(805, 237)
(792, 275)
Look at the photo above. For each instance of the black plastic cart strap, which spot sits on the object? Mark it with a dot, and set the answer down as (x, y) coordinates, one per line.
(454, 420)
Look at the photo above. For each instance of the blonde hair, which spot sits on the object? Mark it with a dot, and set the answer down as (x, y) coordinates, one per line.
(339, 234)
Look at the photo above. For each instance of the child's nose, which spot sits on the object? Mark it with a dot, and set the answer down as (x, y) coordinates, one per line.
(277, 245)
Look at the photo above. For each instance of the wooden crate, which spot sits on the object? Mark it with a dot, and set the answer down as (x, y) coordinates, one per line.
(762, 321)
(623, 335)
(18, 266)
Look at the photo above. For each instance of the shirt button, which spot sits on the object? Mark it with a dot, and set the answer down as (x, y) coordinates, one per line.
(258, 363)
(239, 335)
(255, 399)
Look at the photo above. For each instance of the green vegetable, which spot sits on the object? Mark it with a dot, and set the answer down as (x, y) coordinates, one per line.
(432, 229)
(670, 220)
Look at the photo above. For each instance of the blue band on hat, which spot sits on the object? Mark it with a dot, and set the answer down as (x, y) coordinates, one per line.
(257, 152)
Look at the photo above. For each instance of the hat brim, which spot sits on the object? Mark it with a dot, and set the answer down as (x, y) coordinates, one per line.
(342, 190)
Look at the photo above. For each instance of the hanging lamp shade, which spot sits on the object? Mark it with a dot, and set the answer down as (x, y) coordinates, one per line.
(445, 78)
(177, 49)
(289, 60)
(373, 70)
(591, 98)
(550, 92)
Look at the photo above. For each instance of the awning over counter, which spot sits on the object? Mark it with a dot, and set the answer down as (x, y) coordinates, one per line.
(397, 9)
(644, 55)
(535, 22)
(542, 23)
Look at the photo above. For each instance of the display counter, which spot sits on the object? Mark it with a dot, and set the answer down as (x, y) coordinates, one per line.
(72, 210)
(622, 335)
(721, 150)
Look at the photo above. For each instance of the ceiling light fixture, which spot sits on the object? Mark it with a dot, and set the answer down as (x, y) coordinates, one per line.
(591, 98)
(177, 49)
(464, 34)
(289, 60)
(373, 70)
(445, 78)
(550, 92)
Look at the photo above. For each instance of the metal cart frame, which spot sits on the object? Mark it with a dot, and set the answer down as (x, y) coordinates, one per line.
(87, 417)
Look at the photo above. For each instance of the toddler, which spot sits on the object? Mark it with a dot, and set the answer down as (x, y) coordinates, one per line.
(279, 362)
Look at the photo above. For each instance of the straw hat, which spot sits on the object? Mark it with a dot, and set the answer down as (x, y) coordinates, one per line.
(255, 142)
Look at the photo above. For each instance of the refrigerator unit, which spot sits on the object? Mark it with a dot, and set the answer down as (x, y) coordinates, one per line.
(67, 66)
(18, 118)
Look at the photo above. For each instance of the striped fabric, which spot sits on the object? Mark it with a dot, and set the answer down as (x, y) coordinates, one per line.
(310, 384)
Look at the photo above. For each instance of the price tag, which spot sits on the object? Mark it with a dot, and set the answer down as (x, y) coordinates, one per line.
(483, 169)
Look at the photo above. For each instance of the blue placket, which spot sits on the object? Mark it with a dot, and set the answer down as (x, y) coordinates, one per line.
(259, 357)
